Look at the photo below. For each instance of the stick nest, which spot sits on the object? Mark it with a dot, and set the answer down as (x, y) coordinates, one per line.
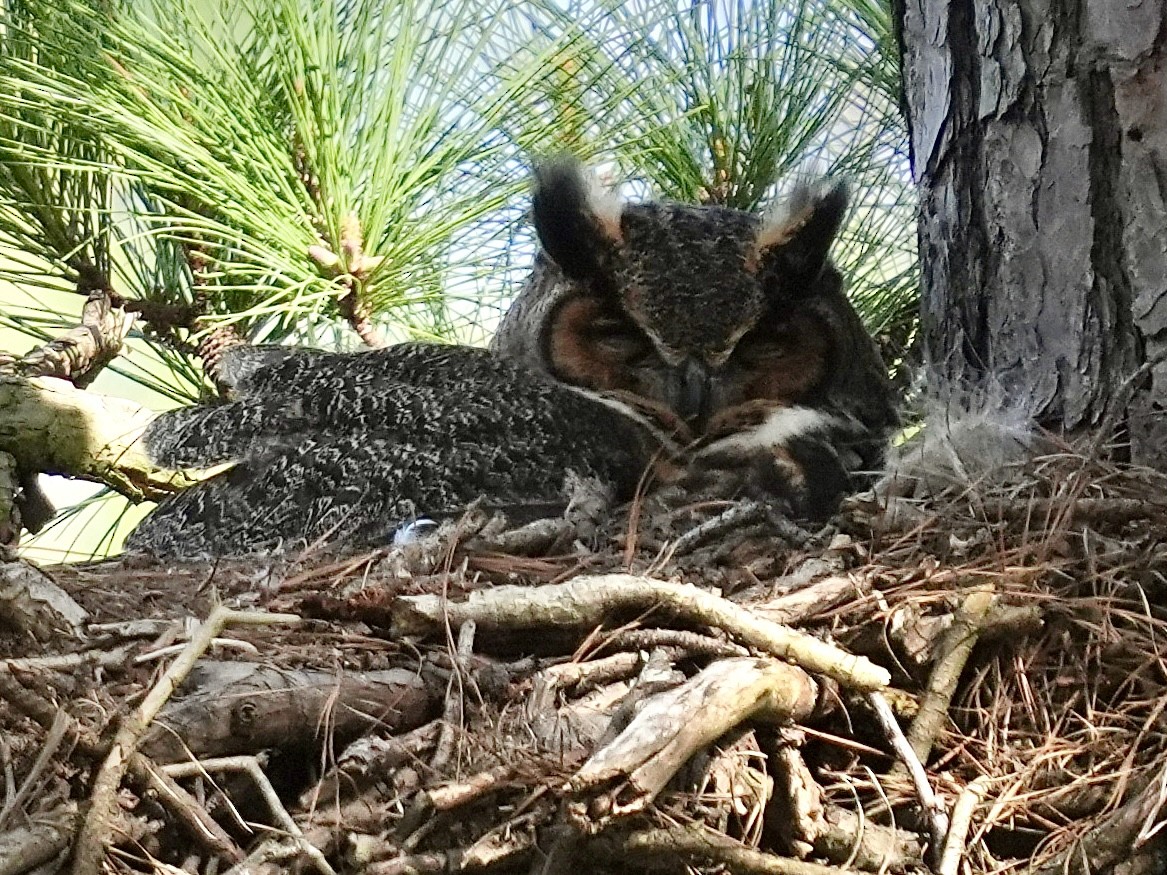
(974, 682)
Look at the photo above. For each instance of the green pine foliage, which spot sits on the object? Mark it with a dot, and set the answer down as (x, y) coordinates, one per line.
(269, 143)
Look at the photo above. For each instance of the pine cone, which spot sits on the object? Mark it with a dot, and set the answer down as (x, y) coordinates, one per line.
(211, 351)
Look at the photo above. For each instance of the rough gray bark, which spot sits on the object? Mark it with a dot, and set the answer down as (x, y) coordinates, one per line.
(1039, 136)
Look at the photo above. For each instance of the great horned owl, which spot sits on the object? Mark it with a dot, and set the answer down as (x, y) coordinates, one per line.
(348, 447)
(697, 340)
(734, 323)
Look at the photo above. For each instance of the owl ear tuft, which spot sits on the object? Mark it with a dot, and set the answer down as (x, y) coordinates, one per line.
(577, 221)
(795, 239)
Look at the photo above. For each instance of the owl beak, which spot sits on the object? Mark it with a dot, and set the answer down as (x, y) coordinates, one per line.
(693, 390)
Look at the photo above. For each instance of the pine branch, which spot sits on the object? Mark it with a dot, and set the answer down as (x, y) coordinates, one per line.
(49, 426)
(351, 271)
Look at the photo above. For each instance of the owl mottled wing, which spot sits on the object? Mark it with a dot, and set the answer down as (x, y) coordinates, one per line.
(348, 490)
(267, 370)
(201, 437)
(239, 365)
(392, 393)
(205, 436)
(342, 447)
(641, 322)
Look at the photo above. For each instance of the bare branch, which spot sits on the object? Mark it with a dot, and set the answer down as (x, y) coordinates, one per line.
(585, 602)
(79, 355)
(48, 425)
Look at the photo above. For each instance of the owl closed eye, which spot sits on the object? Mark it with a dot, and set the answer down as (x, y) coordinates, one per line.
(698, 310)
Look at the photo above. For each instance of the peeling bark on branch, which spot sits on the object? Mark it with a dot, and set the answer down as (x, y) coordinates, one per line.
(80, 355)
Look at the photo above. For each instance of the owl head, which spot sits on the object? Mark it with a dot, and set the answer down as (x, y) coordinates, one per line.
(698, 308)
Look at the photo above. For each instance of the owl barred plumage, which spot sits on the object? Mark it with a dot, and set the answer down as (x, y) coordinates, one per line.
(736, 323)
(709, 342)
(348, 447)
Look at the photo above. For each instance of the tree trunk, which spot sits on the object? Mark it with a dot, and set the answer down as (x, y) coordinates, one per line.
(1038, 136)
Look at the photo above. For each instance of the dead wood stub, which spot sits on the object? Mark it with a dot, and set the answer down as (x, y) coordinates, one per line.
(674, 726)
(243, 707)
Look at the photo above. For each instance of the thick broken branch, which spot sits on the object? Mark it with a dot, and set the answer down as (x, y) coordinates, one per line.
(674, 725)
(243, 707)
(954, 651)
(50, 426)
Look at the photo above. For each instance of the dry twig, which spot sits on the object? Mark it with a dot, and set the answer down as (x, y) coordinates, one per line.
(585, 602)
(51, 426)
(933, 806)
(194, 817)
(962, 813)
(952, 654)
(455, 693)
